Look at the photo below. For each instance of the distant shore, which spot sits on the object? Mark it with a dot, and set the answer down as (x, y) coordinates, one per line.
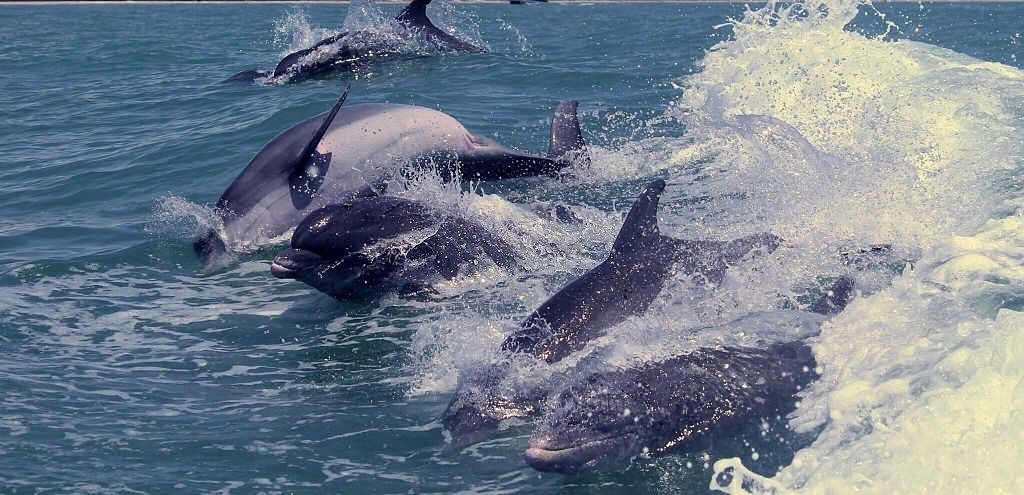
(10, 2)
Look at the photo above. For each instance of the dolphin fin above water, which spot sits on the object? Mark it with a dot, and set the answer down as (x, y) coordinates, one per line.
(566, 141)
(490, 160)
(414, 16)
(356, 48)
(310, 167)
(624, 285)
(656, 408)
(640, 228)
(363, 147)
(627, 282)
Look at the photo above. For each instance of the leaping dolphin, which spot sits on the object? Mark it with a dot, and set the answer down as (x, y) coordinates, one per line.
(624, 285)
(352, 250)
(353, 152)
(606, 419)
(346, 50)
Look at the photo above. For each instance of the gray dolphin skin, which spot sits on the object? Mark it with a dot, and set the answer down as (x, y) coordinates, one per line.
(347, 50)
(624, 285)
(627, 282)
(354, 249)
(606, 419)
(353, 152)
(655, 409)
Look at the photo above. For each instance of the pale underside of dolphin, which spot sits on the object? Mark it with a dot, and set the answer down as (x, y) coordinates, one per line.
(624, 285)
(354, 151)
(347, 50)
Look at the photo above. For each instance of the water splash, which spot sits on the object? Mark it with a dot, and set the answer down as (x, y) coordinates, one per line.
(831, 136)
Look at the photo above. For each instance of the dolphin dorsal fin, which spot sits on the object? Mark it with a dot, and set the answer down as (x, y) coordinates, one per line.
(309, 169)
(566, 138)
(415, 14)
(641, 225)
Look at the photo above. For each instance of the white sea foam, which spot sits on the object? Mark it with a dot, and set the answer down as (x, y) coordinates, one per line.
(905, 143)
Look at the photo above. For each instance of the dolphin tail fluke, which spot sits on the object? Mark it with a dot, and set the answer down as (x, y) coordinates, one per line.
(836, 299)
(567, 142)
(641, 225)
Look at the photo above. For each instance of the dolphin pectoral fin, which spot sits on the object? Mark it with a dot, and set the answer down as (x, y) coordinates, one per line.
(310, 168)
(567, 144)
(318, 134)
(641, 225)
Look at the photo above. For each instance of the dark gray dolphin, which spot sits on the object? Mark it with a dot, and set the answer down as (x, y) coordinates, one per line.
(627, 282)
(648, 411)
(608, 418)
(347, 50)
(353, 152)
(352, 250)
(624, 285)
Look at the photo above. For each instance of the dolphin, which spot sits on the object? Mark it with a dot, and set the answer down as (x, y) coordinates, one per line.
(680, 403)
(654, 409)
(624, 285)
(346, 49)
(353, 152)
(351, 250)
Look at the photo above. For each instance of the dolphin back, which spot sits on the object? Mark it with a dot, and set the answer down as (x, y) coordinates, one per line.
(679, 403)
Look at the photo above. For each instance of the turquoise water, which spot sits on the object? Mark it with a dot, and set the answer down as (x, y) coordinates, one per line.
(127, 370)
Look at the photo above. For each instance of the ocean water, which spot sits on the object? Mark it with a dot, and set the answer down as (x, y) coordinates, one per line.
(125, 369)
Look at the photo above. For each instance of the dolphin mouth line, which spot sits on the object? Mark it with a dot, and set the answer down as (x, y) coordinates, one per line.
(281, 271)
(567, 458)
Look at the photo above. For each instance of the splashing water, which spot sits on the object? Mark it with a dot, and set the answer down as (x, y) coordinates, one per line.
(834, 137)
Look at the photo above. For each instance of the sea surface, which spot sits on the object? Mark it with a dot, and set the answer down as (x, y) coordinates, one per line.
(126, 369)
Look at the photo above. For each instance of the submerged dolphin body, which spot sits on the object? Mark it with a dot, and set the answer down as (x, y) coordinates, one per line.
(606, 419)
(624, 285)
(353, 152)
(352, 250)
(346, 50)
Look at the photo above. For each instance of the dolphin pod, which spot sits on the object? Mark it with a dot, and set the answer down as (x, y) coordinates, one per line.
(623, 285)
(353, 152)
(347, 50)
(607, 419)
